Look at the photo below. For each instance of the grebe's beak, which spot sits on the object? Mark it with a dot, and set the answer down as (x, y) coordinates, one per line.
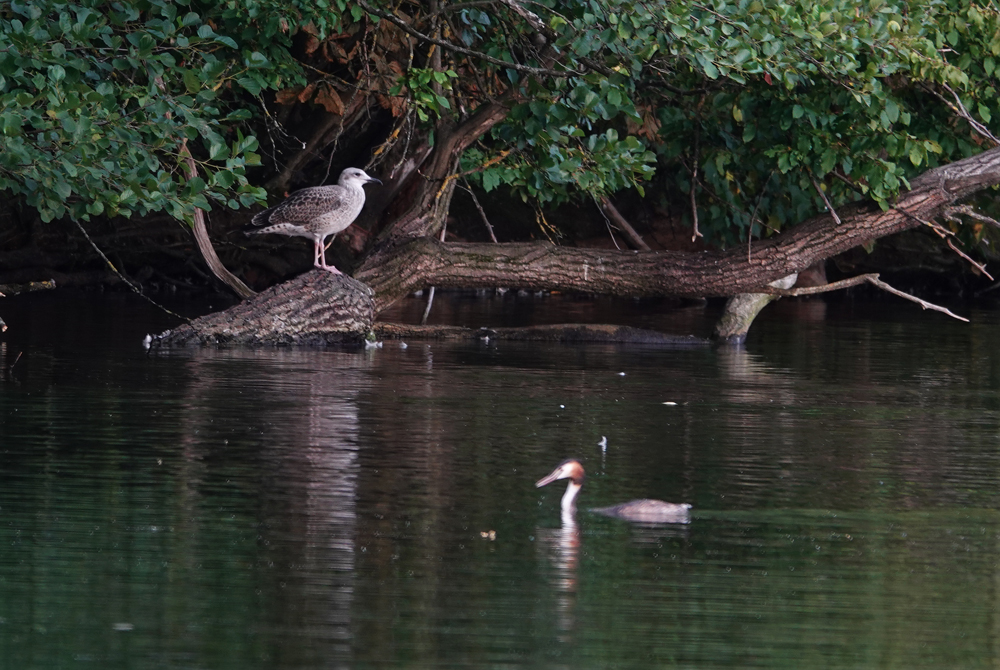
(549, 478)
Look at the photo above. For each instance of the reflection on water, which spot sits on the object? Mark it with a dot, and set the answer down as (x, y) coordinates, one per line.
(321, 508)
(562, 547)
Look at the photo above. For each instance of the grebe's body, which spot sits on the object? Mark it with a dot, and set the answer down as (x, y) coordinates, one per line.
(642, 511)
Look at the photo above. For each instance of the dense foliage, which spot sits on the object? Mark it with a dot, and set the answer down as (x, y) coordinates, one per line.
(747, 108)
(101, 101)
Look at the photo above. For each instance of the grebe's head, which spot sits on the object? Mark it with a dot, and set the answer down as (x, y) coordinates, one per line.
(568, 469)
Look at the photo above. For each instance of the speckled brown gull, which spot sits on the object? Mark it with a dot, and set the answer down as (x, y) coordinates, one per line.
(317, 212)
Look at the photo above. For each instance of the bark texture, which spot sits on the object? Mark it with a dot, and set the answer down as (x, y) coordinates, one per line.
(321, 308)
(742, 308)
(396, 269)
(428, 200)
(317, 307)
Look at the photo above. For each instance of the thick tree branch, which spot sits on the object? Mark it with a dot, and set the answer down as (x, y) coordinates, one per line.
(395, 270)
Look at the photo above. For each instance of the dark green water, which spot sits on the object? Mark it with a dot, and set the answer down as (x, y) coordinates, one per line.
(323, 509)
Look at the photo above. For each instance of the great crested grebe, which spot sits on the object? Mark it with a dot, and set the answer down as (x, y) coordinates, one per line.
(642, 511)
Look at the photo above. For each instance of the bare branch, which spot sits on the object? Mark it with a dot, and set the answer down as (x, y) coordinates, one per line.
(527, 15)
(695, 233)
(960, 109)
(966, 210)
(753, 216)
(923, 303)
(479, 207)
(624, 225)
(871, 278)
(200, 231)
(979, 266)
(826, 201)
(825, 288)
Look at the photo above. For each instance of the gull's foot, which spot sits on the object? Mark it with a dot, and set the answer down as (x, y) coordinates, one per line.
(329, 268)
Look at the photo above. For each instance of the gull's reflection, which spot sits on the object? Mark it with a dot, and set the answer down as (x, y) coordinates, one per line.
(295, 414)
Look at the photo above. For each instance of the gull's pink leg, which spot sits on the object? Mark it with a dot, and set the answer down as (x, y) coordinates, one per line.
(320, 261)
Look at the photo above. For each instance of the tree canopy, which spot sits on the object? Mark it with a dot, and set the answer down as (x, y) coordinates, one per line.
(759, 113)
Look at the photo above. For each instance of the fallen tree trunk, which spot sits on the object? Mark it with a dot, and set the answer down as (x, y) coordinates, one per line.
(312, 309)
(317, 307)
(393, 271)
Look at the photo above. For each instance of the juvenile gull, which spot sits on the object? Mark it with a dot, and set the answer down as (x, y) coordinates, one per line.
(316, 213)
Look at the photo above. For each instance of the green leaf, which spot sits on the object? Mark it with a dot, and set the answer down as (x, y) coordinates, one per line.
(56, 73)
(984, 113)
(892, 111)
(711, 71)
(218, 151)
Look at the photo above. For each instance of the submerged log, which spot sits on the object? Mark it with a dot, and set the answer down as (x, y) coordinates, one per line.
(576, 333)
(27, 287)
(317, 307)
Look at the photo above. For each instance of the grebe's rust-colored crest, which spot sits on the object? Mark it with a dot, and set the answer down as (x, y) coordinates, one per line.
(568, 469)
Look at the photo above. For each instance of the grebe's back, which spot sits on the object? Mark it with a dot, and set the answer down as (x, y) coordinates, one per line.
(648, 511)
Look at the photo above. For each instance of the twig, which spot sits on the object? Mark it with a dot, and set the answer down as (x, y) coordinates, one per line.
(479, 207)
(11, 368)
(826, 201)
(923, 303)
(960, 109)
(694, 180)
(952, 212)
(430, 293)
(871, 278)
(607, 223)
(753, 216)
(979, 266)
(624, 225)
(125, 279)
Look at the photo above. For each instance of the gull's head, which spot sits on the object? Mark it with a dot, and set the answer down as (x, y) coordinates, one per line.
(355, 176)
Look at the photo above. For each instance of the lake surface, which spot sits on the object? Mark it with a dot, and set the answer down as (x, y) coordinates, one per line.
(326, 508)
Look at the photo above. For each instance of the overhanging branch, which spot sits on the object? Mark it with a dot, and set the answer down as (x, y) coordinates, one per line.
(407, 265)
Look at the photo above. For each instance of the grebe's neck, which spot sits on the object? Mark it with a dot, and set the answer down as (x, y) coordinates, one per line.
(569, 498)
